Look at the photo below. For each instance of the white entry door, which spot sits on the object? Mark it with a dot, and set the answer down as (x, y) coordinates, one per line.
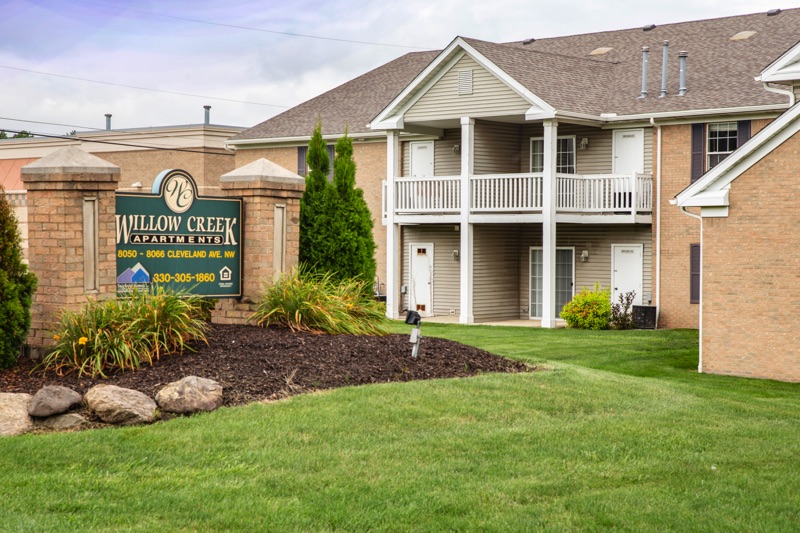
(628, 150)
(626, 271)
(421, 159)
(420, 298)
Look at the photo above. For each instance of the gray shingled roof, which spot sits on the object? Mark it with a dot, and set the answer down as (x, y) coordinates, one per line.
(352, 104)
(561, 71)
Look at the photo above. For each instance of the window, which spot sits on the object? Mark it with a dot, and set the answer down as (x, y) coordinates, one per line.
(722, 140)
(302, 167)
(565, 276)
(694, 273)
(711, 143)
(565, 155)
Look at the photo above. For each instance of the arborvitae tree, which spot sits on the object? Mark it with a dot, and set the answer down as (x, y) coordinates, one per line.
(311, 203)
(17, 284)
(346, 226)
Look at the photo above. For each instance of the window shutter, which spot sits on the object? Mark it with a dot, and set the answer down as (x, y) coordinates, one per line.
(698, 140)
(301, 160)
(694, 254)
(742, 132)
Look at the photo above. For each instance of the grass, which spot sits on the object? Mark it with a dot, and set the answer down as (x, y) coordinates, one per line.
(620, 433)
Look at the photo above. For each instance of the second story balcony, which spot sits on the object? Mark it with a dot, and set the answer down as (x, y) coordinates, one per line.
(601, 198)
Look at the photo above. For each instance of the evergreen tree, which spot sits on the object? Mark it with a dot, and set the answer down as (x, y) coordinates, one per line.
(311, 203)
(17, 284)
(345, 228)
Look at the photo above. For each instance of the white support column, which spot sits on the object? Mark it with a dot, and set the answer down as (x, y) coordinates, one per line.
(634, 196)
(392, 229)
(549, 198)
(465, 254)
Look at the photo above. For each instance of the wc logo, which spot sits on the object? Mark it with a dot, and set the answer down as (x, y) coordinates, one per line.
(178, 193)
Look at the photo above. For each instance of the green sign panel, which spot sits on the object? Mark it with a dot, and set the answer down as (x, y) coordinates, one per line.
(178, 239)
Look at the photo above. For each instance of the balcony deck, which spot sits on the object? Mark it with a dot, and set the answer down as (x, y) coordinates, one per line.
(601, 198)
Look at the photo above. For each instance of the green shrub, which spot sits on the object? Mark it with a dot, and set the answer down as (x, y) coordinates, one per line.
(310, 301)
(122, 334)
(17, 284)
(589, 309)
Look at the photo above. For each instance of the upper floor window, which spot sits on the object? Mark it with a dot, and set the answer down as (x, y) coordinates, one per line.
(722, 140)
(565, 155)
(302, 166)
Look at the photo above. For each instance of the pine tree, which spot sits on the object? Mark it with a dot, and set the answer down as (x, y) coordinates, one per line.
(311, 204)
(346, 226)
(17, 284)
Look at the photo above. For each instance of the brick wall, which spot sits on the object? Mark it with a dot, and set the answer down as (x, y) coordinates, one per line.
(370, 161)
(751, 273)
(678, 231)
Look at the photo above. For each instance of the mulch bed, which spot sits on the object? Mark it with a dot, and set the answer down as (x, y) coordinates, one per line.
(256, 364)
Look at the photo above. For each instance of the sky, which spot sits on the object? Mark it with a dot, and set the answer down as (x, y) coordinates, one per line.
(64, 64)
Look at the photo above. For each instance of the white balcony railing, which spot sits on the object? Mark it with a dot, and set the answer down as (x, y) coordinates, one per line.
(522, 193)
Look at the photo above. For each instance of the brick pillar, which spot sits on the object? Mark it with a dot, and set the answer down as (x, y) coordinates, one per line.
(69, 190)
(271, 194)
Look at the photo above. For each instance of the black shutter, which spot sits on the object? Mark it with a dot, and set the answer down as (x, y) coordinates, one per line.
(698, 142)
(694, 296)
(742, 132)
(301, 160)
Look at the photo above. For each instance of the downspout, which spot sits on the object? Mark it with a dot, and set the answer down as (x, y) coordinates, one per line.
(658, 218)
(702, 251)
(785, 92)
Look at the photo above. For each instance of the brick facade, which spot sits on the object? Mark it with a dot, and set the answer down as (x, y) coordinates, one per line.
(370, 159)
(751, 273)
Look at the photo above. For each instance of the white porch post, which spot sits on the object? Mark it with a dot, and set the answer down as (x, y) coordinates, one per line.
(392, 229)
(465, 253)
(549, 198)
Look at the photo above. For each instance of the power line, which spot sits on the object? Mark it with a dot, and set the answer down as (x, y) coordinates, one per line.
(249, 28)
(131, 145)
(141, 88)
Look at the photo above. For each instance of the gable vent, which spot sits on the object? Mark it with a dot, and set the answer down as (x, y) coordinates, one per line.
(600, 51)
(742, 35)
(465, 81)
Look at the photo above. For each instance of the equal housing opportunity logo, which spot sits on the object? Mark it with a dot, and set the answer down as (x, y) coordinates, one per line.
(175, 237)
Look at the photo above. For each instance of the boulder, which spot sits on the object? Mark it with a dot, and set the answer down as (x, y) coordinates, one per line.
(63, 422)
(189, 395)
(115, 405)
(14, 419)
(53, 400)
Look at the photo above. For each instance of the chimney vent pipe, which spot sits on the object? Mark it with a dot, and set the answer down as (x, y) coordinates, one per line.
(682, 55)
(108, 121)
(665, 52)
(208, 114)
(644, 72)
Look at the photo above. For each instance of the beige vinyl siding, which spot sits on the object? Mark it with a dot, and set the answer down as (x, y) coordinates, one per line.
(490, 97)
(597, 240)
(496, 148)
(446, 270)
(495, 271)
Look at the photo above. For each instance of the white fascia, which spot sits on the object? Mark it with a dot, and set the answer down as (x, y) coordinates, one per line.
(301, 139)
(785, 68)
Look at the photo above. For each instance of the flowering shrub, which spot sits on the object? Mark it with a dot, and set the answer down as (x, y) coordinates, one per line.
(123, 334)
(589, 309)
(621, 316)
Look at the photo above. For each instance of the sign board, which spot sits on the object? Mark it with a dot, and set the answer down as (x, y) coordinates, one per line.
(176, 238)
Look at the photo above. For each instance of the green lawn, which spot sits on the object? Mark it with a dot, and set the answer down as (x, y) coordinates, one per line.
(620, 432)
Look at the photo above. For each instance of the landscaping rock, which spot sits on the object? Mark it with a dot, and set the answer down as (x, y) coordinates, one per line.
(14, 419)
(63, 422)
(53, 400)
(189, 395)
(115, 405)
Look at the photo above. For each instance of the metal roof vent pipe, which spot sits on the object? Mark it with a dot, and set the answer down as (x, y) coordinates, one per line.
(664, 53)
(644, 71)
(108, 121)
(682, 55)
(208, 114)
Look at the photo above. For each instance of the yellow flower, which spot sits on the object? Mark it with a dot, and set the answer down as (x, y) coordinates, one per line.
(56, 337)
(82, 340)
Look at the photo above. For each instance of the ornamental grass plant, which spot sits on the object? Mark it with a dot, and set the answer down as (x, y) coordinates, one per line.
(304, 300)
(122, 334)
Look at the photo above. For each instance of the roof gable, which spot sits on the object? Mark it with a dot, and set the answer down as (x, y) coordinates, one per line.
(785, 68)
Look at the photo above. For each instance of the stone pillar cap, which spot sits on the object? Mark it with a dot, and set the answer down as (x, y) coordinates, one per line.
(263, 169)
(70, 160)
